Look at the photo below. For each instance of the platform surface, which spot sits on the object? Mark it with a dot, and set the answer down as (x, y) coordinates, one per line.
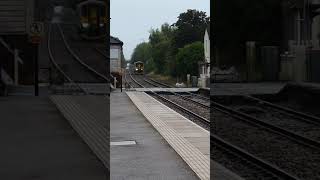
(89, 116)
(37, 142)
(151, 157)
(189, 140)
(245, 88)
(167, 89)
(92, 88)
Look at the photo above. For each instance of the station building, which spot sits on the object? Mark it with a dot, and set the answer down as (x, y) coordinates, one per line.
(116, 58)
(15, 48)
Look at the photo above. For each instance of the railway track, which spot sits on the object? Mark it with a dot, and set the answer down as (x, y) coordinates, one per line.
(190, 95)
(302, 126)
(253, 166)
(295, 157)
(88, 55)
(60, 53)
(195, 116)
(298, 133)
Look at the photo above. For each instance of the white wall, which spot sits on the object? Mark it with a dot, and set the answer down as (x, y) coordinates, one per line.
(207, 47)
(115, 59)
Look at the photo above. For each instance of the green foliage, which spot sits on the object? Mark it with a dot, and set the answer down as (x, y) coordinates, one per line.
(190, 26)
(188, 58)
(143, 53)
(162, 54)
(161, 46)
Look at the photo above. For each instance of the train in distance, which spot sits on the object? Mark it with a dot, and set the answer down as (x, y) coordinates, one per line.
(138, 67)
(93, 19)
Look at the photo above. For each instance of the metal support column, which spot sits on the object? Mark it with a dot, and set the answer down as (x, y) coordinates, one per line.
(36, 70)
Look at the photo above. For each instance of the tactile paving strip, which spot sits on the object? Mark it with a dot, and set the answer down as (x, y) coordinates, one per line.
(155, 112)
(88, 127)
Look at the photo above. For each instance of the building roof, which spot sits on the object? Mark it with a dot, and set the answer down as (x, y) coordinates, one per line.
(115, 41)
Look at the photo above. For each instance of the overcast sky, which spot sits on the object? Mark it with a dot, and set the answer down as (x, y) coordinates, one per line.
(131, 20)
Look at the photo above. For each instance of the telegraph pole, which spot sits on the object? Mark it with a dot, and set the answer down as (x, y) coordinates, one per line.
(36, 29)
(36, 70)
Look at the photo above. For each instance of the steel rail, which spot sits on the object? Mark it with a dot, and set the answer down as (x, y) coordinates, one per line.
(183, 97)
(104, 55)
(255, 121)
(52, 59)
(302, 116)
(203, 120)
(252, 158)
(169, 86)
(126, 80)
(101, 52)
(79, 59)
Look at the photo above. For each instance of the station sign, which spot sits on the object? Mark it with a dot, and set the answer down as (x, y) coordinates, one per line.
(36, 32)
(105, 20)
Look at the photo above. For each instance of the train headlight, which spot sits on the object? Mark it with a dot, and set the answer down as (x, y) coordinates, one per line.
(136, 69)
(85, 25)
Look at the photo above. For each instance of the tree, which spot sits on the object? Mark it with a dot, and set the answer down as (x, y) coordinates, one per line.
(143, 52)
(188, 58)
(162, 52)
(161, 43)
(190, 27)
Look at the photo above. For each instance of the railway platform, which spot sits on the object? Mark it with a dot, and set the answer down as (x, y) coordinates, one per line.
(218, 89)
(147, 156)
(149, 140)
(42, 144)
(158, 89)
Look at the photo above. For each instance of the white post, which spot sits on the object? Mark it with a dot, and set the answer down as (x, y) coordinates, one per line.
(188, 80)
(16, 67)
(115, 82)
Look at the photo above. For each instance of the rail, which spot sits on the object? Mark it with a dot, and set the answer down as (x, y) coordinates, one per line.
(183, 97)
(259, 162)
(255, 121)
(76, 57)
(202, 119)
(52, 59)
(168, 86)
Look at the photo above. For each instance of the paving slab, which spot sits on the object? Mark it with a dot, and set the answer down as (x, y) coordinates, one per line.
(151, 157)
(189, 140)
(37, 142)
(89, 124)
(167, 89)
(196, 157)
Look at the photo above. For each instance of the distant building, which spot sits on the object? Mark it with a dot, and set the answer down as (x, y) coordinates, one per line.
(205, 64)
(115, 57)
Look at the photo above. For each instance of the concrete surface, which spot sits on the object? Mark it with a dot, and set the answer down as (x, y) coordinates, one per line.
(151, 157)
(88, 122)
(38, 143)
(168, 89)
(188, 139)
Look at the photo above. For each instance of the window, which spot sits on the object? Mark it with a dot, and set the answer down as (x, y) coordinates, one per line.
(114, 53)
